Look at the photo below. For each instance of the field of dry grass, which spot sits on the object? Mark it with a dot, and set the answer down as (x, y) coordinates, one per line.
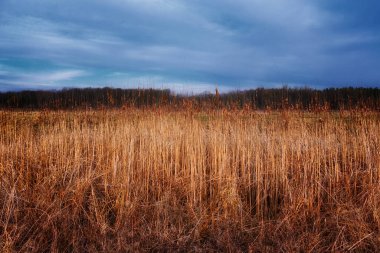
(160, 180)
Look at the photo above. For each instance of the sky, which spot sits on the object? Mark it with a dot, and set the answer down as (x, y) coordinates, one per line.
(189, 45)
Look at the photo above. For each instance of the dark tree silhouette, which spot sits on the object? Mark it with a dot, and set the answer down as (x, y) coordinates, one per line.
(260, 98)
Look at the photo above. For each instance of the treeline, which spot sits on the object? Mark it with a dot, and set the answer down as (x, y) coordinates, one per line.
(306, 98)
(84, 98)
(261, 98)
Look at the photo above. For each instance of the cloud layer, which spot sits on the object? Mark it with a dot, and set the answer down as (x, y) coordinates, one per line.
(190, 44)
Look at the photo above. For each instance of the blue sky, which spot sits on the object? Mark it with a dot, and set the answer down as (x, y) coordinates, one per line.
(189, 45)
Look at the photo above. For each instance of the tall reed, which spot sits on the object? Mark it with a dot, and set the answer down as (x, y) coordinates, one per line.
(142, 180)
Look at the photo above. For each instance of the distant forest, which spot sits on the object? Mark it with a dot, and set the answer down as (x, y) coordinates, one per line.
(260, 98)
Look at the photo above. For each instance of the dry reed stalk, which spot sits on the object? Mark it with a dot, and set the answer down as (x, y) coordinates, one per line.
(218, 180)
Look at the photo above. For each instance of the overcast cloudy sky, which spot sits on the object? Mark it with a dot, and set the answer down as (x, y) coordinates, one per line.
(192, 45)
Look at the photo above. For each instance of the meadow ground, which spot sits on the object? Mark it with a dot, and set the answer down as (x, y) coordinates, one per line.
(164, 180)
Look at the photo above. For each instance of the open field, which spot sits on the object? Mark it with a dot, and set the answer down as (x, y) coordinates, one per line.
(143, 180)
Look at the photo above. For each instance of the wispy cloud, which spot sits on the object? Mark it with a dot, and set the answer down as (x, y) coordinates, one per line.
(242, 43)
(37, 80)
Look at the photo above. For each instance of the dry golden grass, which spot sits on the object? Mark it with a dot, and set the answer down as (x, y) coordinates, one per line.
(116, 181)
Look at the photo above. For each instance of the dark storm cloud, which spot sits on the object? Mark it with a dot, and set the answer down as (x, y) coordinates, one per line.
(192, 44)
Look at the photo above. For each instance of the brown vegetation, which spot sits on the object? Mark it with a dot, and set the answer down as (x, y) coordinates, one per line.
(162, 180)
